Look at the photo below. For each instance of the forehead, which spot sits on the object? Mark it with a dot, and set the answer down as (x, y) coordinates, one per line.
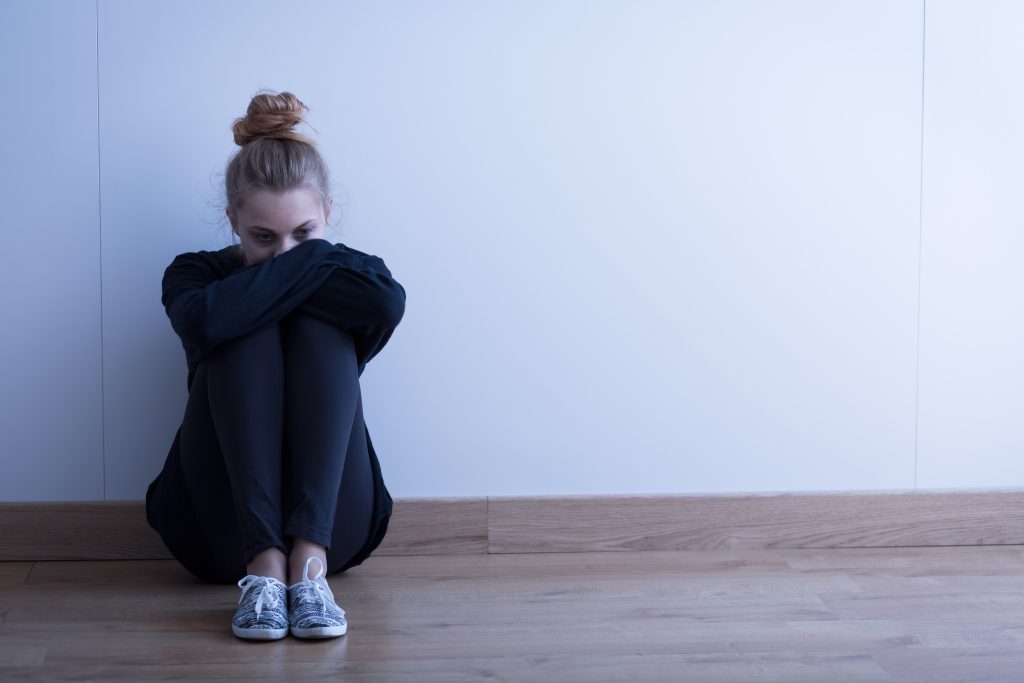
(280, 211)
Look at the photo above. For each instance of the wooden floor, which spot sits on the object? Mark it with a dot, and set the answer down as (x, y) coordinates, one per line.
(905, 614)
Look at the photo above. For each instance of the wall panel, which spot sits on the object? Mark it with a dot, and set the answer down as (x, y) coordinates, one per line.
(650, 247)
(972, 333)
(50, 377)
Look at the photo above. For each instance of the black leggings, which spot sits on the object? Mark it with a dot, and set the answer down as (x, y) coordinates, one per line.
(272, 447)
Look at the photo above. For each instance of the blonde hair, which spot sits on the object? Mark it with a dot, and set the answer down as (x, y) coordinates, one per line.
(273, 156)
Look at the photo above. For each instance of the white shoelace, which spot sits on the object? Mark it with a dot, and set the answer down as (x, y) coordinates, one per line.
(315, 587)
(267, 594)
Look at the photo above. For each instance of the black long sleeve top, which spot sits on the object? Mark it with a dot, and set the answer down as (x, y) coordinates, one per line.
(212, 297)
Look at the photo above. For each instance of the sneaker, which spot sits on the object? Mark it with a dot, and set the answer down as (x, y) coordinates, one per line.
(262, 612)
(312, 610)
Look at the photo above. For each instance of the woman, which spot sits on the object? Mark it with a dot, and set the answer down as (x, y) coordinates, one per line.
(272, 474)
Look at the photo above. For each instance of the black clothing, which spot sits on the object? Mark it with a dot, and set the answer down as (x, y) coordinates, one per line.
(259, 458)
(262, 459)
(212, 297)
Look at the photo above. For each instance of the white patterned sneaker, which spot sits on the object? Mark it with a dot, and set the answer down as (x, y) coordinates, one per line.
(262, 612)
(312, 610)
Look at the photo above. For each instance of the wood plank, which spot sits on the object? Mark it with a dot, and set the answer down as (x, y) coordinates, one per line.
(11, 574)
(558, 565)
(110, 572)
(292, 663)
(436, 526)
(876, 614)
(72, 531)
(14, 572)
(21, 652)
(954, 665)
(797, 520)
(919, 561)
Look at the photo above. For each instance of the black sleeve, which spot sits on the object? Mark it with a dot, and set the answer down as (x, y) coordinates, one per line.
(363, 299)
(207, 309)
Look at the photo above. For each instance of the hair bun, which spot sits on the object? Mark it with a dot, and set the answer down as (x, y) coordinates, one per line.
(271, 115)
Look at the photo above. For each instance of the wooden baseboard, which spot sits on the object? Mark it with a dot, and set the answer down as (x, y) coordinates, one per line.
(119, 531)
(716, 522)
(77, 531)
(433, 526)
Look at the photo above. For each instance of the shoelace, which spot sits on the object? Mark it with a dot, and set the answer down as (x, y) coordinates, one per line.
(267, 594)
(315, 587)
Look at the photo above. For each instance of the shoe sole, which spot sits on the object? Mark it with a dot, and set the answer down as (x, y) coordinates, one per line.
(320, 632)
(259, 633)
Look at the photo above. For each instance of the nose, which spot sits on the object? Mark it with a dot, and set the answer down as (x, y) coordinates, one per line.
(285, 245)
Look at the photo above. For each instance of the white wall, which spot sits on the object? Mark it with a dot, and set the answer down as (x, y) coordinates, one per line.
(972, 333)
(649, 247)
(51, 420)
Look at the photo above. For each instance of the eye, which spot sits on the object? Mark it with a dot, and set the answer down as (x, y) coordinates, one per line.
(263, 238)
(303, 233)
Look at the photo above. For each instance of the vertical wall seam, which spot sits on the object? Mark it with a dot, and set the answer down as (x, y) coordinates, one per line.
(920, 245)
(99, 192)
(487, 527)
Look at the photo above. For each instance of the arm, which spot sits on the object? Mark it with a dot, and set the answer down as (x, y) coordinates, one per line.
(207, 309)
(364, 300)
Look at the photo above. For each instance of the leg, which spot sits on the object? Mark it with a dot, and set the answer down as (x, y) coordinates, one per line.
(244, 398)
(195, 516)
(219, 553)
(328, 489)
(355, 501)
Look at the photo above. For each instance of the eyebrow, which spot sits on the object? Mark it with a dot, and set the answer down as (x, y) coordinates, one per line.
(302, 225)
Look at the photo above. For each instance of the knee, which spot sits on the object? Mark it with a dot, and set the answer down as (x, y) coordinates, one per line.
(314, 334)
(260, 342)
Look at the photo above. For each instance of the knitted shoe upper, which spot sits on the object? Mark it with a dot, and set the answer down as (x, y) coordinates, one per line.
(263, 605)
(311, 603)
